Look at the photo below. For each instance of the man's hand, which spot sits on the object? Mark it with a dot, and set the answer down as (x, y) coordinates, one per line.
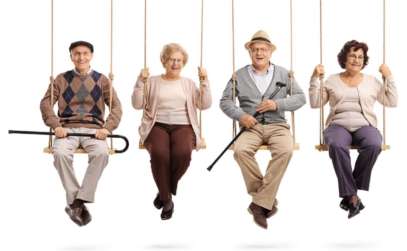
(266, 105)
(102, 133)
(60, 132)
(247, 120)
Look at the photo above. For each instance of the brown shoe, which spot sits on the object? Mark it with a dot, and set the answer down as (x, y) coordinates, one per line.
(273, 211)
(85, 216)
(75, 214)
(259, 215)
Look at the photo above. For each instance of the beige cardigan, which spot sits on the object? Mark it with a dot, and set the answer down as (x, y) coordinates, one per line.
(370, 90)
(149, 103)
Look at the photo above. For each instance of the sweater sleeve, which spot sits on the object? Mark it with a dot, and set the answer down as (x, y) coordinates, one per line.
(137, 98)
(228, 105)
(203, 96)
(294, 101)
(115, 114)
(388, 96)
(48, 115)
(314, 93)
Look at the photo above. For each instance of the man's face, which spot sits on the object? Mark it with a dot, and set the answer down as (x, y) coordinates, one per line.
(81, 57)
(260, 54)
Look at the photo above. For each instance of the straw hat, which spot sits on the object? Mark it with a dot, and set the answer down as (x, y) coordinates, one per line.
(260, 36)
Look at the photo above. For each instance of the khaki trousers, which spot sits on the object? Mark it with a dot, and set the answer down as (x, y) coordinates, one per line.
(263, 189)
(64, 149)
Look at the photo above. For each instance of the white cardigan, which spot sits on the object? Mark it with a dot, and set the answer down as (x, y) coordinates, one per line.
(370, 90)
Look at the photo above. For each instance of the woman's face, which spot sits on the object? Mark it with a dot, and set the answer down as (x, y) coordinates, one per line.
(174, 64)
(354, 60)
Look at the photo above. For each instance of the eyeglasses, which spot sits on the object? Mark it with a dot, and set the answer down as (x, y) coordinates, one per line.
(354, 57)
(261, 50)
(175, 60)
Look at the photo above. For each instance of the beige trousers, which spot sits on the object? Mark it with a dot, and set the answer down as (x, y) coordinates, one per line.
(263, 189)
(64, 149)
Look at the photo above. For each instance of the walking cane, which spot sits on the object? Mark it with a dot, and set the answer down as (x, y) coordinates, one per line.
(279, 86)
(126, 141)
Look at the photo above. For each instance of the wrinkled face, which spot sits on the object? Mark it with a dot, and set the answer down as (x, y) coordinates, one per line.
(81, 57)
(260, 54)
(354, 60)
(174, 64)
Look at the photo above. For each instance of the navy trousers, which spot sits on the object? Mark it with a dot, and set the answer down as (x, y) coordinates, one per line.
(368, 140)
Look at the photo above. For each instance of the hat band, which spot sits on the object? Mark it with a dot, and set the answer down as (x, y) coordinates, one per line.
(261, 39)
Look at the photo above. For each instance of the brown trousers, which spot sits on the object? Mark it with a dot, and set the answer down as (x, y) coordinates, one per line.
(170, 148)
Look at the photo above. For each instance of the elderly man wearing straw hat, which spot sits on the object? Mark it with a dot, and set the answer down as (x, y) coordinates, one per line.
(253, 85)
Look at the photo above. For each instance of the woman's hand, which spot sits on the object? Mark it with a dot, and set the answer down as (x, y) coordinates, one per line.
(319, 71)
(203, 75)
(385, 70)
(144, 74)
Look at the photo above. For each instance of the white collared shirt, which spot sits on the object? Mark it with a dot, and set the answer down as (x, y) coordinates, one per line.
(262, 80)
(87, 73)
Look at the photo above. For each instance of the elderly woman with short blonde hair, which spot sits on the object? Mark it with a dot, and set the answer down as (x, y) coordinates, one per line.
(169, 128)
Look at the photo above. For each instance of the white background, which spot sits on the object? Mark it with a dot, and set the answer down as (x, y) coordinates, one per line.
(210, 209)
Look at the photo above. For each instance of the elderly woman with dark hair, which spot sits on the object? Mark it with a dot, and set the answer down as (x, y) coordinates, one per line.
(351, 96)
(169, 128)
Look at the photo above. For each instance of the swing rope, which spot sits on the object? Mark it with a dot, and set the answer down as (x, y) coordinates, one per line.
(291, 75)
(200, 79)
(384, 146)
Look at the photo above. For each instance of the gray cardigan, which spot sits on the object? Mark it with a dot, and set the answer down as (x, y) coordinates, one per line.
(250, 97)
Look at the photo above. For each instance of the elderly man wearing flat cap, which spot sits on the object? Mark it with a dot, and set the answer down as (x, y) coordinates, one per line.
(254, 85)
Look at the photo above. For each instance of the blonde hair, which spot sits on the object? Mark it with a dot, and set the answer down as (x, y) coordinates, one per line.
(169, 49)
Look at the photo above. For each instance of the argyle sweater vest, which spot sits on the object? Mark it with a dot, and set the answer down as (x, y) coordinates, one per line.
(81, 101)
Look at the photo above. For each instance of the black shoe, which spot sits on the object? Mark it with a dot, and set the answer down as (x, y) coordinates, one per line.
(86, 216)
(168, 210)
(75, 214)
(157, 202)
(345, 206)
(354, 209)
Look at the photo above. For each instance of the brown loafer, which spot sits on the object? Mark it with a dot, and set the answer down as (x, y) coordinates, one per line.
(259, 216)
(271, 212)
(75, 214)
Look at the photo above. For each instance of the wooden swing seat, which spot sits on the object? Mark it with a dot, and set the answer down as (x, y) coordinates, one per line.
(325, 147)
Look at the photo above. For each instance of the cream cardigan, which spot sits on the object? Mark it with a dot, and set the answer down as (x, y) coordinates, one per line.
(370, 90)
(149, 103)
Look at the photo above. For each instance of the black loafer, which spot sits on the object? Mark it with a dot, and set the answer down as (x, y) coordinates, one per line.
(345, 206)
(86, 216)
(167, 214)
(75, 215)
(157, 202)
(354, 209)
